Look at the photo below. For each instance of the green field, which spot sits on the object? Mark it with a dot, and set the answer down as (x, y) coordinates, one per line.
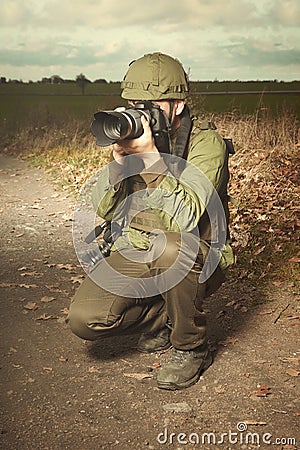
(24, 104)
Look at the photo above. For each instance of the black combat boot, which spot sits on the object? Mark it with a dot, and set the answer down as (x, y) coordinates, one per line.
(184, 368)
(154, 342)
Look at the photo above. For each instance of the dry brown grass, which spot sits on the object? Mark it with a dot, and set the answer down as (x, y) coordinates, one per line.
(66, 150)
(264, 182)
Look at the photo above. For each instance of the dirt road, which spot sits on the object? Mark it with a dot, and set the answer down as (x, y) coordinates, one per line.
(58, 392)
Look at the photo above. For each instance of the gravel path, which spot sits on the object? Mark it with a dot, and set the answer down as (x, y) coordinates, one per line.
(58, 392)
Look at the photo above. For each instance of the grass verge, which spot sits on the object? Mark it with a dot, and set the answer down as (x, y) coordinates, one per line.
(264, 183)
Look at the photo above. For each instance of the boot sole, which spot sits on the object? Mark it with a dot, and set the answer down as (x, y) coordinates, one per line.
(174, 387)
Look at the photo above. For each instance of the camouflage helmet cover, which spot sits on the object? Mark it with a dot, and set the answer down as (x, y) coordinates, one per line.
(155, 76)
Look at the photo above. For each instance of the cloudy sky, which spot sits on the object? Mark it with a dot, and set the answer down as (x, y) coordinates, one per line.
(222, 39)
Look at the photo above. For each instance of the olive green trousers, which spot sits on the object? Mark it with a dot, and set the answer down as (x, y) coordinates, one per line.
(150, 292)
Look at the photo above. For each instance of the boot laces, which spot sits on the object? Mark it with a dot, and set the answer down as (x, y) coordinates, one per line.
(178, 356)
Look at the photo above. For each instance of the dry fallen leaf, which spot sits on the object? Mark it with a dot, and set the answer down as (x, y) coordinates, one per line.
(77, 279)
(30, 274)
(262, 390)
(254, 422)
(67, 217)
(47, 299)
(137, 376)
(31, 306)
(231, 303)
(5, 284)
(27, 286)
(46, 317)
(295, 259)
(66, 266)
(264, 313)
(260, 250)
(156, 364)
(292, 317)
(293, 372)
(53, 288)
(277, 282)
(30, 267)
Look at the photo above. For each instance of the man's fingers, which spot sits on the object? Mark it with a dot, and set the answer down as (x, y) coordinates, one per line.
(146, 124)
(118, 149)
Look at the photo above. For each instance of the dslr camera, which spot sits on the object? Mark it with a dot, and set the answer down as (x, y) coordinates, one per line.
(110, 233)
(112, 126)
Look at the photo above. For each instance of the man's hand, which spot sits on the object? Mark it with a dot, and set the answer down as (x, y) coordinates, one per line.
(140, 146)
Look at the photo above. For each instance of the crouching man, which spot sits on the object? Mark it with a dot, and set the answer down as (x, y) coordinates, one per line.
(173, 247)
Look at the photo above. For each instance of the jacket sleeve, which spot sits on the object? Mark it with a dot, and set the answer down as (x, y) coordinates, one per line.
(180, 202)
(209, 154)
(110, 190)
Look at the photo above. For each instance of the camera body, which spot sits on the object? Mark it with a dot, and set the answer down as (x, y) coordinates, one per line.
(112, 126)
(110, 232)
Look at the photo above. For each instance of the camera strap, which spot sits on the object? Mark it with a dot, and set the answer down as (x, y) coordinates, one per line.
(171, 103)
(183, 134)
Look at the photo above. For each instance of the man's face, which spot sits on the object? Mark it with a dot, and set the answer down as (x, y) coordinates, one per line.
(165, 105)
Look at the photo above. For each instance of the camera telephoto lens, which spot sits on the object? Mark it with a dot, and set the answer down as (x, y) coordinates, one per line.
(112, 126)
(108, 127)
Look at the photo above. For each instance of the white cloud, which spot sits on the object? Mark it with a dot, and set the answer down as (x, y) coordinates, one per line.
(107, 14)
(99, 38)
(286, 12)
(13, 12)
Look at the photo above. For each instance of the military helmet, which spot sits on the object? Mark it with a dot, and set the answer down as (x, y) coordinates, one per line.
(155, 76)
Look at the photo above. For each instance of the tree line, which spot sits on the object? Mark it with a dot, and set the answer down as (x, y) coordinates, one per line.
(56, 79)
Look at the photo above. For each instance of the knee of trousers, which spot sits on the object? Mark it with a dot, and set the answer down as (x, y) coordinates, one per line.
(95, 318)
(93, 310)
(78, 320)
(121, 318)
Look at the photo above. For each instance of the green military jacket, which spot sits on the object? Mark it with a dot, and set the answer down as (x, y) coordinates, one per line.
(173, 203)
